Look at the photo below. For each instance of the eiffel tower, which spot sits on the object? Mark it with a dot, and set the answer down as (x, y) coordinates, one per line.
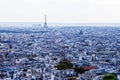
(45, 24)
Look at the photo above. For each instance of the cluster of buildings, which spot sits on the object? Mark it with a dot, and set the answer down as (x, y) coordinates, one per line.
(34, 55)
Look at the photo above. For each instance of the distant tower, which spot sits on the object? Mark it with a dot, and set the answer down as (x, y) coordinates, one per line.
(81, 32)
(45, 24)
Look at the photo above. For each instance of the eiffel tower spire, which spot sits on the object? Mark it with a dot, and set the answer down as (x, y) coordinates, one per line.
(45, 24)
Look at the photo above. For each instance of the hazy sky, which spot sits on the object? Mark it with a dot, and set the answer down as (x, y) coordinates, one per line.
(67, 11)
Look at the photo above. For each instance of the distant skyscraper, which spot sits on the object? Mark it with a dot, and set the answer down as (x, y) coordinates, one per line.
(45, 24)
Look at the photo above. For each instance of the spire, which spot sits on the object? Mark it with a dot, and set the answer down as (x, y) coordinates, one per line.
(45, 24)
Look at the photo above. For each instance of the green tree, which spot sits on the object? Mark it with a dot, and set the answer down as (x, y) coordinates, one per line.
(110, 77)
(64, 64)
(67, 62)
(79, 70)
(61, 67)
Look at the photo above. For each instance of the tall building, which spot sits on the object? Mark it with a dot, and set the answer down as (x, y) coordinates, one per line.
(81, 32)
(45, 24)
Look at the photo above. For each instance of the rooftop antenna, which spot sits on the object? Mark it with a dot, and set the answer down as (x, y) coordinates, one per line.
(45, 24)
